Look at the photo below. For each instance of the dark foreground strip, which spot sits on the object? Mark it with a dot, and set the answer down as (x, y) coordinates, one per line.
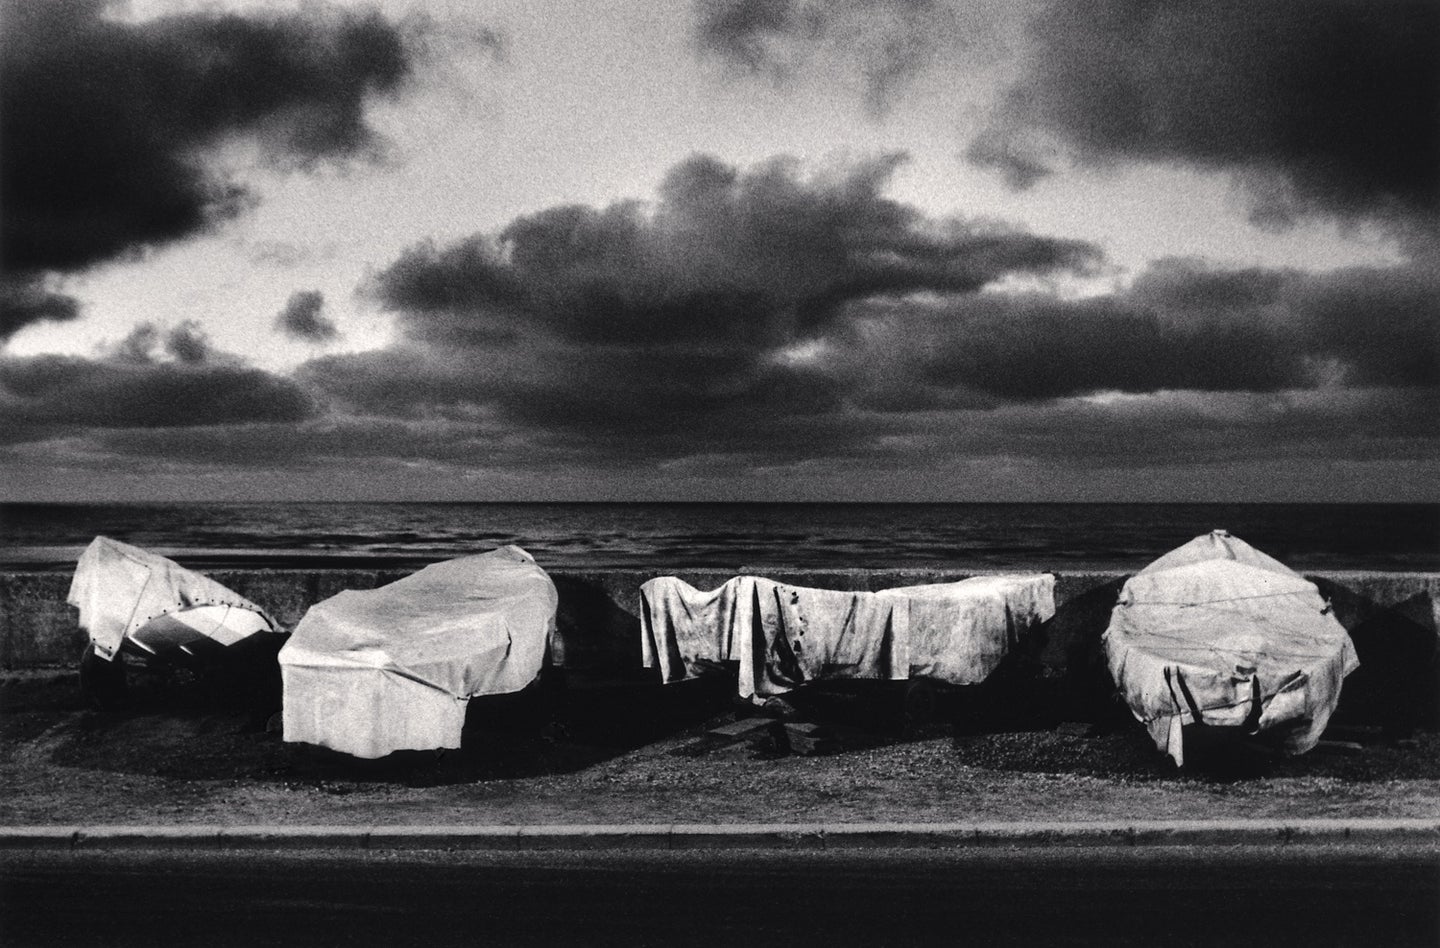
(727, 836)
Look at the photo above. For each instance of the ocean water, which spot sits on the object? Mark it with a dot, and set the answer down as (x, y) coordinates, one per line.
(756, 536)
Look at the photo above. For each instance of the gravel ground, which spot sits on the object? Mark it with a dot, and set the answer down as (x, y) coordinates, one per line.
(209, 765)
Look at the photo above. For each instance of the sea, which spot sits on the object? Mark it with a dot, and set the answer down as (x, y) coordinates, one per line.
(752, 536)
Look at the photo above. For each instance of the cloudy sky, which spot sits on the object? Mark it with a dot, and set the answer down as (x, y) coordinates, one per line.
(738, 249)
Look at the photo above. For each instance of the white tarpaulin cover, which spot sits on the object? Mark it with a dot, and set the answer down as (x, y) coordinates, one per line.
(1229, 625)
(785, 635)
(125, 592)
(375, 671)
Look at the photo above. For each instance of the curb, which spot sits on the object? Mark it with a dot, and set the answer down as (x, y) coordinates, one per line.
(778, 836)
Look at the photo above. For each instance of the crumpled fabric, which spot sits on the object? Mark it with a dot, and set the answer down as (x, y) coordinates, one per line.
(375, 671)
(1226, 622)
(784, 635)
(125, 592)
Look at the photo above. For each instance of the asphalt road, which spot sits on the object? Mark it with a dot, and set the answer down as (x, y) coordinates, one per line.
(1250, 896)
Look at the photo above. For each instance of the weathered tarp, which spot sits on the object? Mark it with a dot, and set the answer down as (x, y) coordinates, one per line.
(783, 635)
(375, 671)
(1218, 545)
(125, 592)
(1216, 626)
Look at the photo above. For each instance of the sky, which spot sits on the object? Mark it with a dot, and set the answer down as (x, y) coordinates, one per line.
(869, 250)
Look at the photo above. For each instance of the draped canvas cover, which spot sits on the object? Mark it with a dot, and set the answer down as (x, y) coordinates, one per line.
(375, 671)
(783, 635)
(125, 592)
(1247, 641)
(1218, 545)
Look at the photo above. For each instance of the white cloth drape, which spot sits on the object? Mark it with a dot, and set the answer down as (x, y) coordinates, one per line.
(375, 671)
(123, 591)
(1217, 617)
(784, 635)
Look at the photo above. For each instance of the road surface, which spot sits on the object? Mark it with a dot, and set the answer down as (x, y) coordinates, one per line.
(1159, 897)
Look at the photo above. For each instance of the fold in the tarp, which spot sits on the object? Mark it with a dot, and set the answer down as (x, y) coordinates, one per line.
(375, 671)
(1217, 627)
(121, 590)
(784, 635)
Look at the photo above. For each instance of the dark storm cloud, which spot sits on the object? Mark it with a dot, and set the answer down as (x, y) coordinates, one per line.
(740, 259)
(408, 380)
(487, 442)
(618, 402)
(303, 317)
(188, 343)
(1039, 347)
(1194, 428)
(1383, 326)
(740, 29)
(694, 401)
(1160, 430)
(757, 320)
(1181, 325)
(1329, 106)
(145, 344)
(1294, 431)
(49, 395)
(138, 346)
(313, 443)
(602, 405)
(760, 314)
(26, 300)
(663, 328)
(105, 124)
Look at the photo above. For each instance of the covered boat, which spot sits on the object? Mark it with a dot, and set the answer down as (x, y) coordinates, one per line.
(783, 635)
(128, 595)
(1216, 634)
(376, 671)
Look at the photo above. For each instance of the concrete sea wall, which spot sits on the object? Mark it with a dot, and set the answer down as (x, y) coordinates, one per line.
(1392, 617)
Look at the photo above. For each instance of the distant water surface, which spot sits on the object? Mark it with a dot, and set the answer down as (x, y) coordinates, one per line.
(678, 536)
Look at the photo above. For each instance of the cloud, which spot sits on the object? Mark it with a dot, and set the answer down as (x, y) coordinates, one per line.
(310, 443)
(1184, 428)
(108, 126)
(739, 258)
(1039, 347)
(768, 326)
(139, 345)
(27, 300)
(770, 317)
(887, 41)
(185, 342)
(599, 405)
(188, 343)
(1105, 447)
(47, 396)
(1182, 325)
(660, 326)
(739, 29)
(303, 317)
(1318, 106)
